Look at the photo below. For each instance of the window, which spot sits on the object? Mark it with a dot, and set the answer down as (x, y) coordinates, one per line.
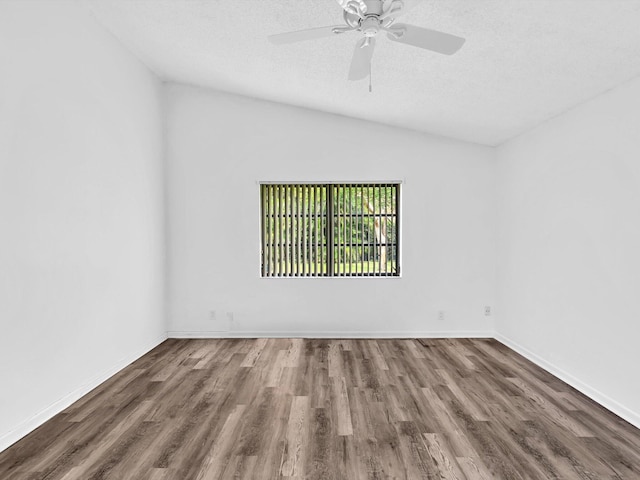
(330, 230)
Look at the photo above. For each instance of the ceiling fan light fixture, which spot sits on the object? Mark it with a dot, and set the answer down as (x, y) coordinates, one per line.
(370, 26)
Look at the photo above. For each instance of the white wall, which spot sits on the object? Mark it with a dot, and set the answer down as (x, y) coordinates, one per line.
(569, 243)
(219, 146)
(81, 210)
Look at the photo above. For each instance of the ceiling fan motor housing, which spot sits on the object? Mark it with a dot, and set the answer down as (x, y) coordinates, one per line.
(374, 7)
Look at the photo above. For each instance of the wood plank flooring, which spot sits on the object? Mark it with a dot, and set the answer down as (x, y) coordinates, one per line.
(330, 409)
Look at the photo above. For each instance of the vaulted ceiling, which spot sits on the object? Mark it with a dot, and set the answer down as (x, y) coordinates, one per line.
(524, 61)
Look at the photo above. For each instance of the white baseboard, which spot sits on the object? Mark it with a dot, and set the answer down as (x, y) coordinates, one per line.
(594, 394)
(328, 334)
(30, 424)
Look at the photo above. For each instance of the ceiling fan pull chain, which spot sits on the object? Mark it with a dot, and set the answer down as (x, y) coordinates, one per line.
(370, 89)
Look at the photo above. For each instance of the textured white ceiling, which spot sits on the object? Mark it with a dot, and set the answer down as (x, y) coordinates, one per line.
(524, 61)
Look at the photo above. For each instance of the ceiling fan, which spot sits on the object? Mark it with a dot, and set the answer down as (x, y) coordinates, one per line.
(371, 17)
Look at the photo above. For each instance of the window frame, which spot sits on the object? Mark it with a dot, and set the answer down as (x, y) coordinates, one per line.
(398, 185)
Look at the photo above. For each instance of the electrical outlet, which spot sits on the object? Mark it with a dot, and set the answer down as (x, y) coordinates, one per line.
(217, 321)
(440, 315)
(487, 311)
(230, 320)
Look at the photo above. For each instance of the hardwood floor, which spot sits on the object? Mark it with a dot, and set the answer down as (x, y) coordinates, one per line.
(330, 409)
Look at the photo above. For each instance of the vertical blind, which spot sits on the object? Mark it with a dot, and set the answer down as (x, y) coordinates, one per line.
(311, 230)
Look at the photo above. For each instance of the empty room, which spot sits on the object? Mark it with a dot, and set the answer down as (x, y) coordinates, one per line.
(319, 239)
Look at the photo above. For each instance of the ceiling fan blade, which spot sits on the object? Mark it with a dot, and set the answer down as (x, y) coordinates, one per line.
(302, 35)
(433, 40)
(361, 63)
